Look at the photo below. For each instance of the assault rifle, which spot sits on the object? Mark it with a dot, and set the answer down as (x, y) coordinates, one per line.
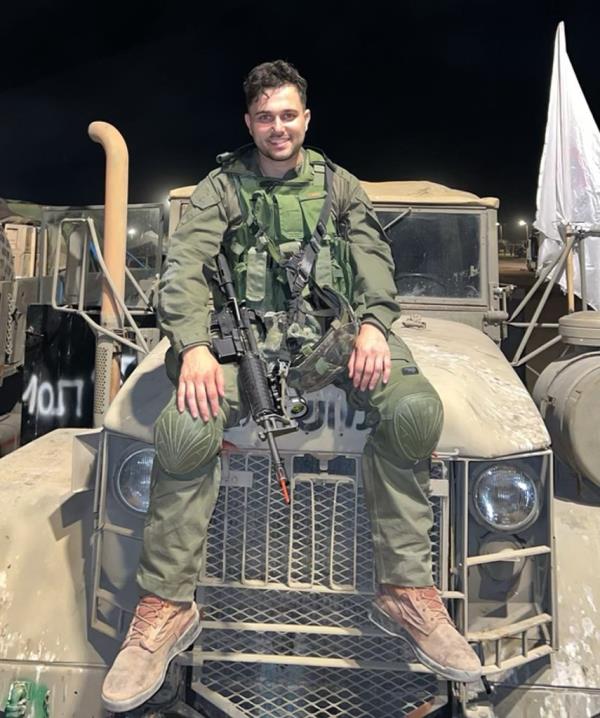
(236, 342)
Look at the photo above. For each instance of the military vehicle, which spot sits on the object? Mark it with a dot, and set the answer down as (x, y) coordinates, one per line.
(286, 590)
(49, 272)
(18, 233)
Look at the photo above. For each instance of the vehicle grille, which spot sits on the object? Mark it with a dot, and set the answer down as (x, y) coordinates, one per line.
(286, 594)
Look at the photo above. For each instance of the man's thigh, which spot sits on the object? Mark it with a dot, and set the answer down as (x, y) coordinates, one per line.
(406, 412)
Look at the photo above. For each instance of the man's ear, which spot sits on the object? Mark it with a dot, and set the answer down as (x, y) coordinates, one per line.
(247, 121)
(306, 119)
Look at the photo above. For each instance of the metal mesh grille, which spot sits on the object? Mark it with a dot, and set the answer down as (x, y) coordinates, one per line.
(373, 648)
(238, 605)
(324, 540)
(308, 565)
(276, 691)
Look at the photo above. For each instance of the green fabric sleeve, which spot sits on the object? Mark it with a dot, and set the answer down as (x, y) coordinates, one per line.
(184, 293)
(372, 263)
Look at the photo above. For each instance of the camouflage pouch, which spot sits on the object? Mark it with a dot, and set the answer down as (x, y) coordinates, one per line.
(328, 358)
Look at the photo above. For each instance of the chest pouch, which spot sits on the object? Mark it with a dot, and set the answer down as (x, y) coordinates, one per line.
(289, 225)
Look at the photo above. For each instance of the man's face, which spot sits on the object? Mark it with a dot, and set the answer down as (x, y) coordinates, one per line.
(278, 122)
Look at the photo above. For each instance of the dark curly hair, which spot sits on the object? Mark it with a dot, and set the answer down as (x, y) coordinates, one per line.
(271, 75)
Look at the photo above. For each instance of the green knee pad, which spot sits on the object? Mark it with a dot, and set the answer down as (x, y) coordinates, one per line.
(183, 443)
(415, 425)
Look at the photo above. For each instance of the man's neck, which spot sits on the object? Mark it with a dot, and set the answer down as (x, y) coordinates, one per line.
(275, 168)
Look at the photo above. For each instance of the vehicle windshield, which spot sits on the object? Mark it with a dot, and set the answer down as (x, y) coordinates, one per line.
(436, 254)
(68, 236)
(67, 226)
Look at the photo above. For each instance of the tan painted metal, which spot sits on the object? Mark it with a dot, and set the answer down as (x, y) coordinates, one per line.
(115, 229)
(45, 553)
(488, 412)
(417, 192)
(567, 393)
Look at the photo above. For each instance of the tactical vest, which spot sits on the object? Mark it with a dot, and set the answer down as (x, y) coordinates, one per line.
(278, 216)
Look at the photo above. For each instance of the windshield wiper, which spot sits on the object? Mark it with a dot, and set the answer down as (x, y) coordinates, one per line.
(397, 219)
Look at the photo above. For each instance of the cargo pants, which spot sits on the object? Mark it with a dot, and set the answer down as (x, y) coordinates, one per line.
(406, 419)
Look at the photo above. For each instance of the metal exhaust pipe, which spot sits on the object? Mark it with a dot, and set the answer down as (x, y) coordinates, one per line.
(108, 379)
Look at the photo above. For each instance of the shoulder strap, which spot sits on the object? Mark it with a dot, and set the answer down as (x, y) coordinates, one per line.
(299, 266)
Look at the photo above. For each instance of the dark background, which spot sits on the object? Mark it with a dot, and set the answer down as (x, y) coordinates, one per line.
(453, 92)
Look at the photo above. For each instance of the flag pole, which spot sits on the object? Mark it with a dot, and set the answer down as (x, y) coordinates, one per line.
(569, 274)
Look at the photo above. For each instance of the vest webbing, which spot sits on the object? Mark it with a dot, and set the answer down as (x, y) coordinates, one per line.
(278, 218)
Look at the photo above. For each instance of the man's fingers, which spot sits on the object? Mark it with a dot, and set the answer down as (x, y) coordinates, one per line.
(367, 373)
(351, 363)
(212, 396)
(220, 378)
(359, 366)
(387, 368)
(201, 394)
(377, 369)
(190, 397)
(202, 402)
(181, 397)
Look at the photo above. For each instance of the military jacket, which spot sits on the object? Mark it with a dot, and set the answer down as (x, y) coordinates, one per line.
(214, 219)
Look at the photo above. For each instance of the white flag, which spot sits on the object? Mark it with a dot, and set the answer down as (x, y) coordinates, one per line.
(569, 180)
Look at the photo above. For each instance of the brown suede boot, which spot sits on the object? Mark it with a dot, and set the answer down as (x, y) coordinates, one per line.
(159, 631)
(419, 617)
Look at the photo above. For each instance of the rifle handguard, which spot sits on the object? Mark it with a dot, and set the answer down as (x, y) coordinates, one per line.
(254, 382)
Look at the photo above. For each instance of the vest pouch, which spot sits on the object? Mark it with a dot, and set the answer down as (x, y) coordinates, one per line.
(256, 275)
(311, 204)
(323, 270)
(239, 280)
(261, 210)
(341, 267)
(289, 222)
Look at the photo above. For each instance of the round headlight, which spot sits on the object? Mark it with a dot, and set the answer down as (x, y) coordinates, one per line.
(506, 498)
(133, 479)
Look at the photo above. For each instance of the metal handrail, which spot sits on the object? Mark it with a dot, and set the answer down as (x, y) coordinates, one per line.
(574, 241)
(80, 311)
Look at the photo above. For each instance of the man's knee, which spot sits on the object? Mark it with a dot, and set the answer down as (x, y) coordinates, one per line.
(182, 443)
(414, 419)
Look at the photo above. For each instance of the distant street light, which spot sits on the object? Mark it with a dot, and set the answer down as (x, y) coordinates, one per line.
(523, 223)
(500, 230)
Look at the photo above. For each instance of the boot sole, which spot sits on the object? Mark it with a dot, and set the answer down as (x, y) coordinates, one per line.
(389, 626)
(186, 639)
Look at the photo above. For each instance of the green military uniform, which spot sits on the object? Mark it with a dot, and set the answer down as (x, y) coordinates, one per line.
(258, 220)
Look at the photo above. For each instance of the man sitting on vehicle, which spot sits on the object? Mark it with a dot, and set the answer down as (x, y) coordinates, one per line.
(261, 207)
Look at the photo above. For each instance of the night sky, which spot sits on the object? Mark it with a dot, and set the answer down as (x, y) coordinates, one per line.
(454, 92)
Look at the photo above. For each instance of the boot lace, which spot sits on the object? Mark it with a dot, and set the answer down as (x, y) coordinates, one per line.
(433, 604)
(147, 614)
(420, 607)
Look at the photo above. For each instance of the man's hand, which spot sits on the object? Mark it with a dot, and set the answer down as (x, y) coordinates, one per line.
(201, 383)
(370, 359)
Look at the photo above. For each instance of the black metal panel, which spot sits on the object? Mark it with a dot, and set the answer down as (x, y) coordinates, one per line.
(58, 385)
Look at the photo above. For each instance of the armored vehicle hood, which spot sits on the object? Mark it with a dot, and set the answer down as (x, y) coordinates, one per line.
(423, 192)
(487, 411)
(406, 192)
